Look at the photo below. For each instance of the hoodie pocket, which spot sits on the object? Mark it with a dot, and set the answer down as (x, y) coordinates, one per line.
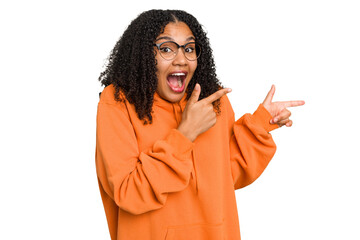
(196, 231)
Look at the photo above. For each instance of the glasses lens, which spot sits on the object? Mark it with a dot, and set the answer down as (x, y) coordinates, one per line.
(168, 50)
(192, 51)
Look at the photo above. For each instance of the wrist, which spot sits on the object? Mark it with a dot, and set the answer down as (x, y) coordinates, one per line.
(186, 132)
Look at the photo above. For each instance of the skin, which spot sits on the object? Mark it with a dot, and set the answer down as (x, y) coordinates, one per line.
(278, 110)
(180, 33)
(199, 116)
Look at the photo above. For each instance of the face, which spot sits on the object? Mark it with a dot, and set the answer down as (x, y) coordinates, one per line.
(174, 75)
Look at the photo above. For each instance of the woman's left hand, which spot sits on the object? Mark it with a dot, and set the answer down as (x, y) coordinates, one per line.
(278, 110)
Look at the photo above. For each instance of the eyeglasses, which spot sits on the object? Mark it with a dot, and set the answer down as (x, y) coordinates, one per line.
(169, 49)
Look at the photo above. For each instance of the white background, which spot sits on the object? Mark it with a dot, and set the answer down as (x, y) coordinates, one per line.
(52, 52)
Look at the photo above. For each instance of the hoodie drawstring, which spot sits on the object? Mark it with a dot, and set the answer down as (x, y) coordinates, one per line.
(175, 114)
(195, 173)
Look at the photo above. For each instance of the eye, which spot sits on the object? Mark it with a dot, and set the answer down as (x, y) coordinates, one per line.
(168, 47)
(189, 49)
(165, 49)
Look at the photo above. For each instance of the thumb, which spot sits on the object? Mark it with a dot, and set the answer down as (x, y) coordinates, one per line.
(195, 94)
(270, 95)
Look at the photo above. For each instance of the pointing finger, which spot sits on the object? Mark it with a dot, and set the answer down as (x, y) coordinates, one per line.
(293, 103)
(215, 96)
(270, 95)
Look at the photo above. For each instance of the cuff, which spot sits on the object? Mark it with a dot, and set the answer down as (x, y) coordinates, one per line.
(182, 145)
(263, 117)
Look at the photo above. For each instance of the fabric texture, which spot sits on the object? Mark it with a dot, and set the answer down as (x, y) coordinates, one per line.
(156, 184)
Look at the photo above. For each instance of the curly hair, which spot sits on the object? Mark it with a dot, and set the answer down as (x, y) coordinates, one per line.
(131, 66)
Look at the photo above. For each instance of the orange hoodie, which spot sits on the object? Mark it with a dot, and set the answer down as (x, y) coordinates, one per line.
(158, 185)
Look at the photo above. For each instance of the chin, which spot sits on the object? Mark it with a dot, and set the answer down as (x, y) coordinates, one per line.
(174, 97)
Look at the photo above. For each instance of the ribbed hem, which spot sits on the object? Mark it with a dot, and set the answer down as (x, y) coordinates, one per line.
(183, 146)
(263, 117)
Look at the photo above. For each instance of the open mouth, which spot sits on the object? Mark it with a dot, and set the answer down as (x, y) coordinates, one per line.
(176, 81)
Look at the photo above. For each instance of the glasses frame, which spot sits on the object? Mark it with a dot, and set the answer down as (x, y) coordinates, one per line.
(197, 46)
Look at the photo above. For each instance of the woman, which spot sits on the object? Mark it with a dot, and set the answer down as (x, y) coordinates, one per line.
(169, 153)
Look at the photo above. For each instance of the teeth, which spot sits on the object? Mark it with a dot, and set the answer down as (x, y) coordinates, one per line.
(178, 74)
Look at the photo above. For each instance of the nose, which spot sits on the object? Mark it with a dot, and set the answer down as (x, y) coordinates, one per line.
(180, 58)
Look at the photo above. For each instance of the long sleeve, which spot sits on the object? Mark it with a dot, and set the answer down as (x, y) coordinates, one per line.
(251, 146)
(138, 181)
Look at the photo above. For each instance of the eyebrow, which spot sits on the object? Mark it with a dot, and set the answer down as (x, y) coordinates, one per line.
(171, 39)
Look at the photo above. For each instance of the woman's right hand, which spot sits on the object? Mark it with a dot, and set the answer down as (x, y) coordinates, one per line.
(199, 116)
